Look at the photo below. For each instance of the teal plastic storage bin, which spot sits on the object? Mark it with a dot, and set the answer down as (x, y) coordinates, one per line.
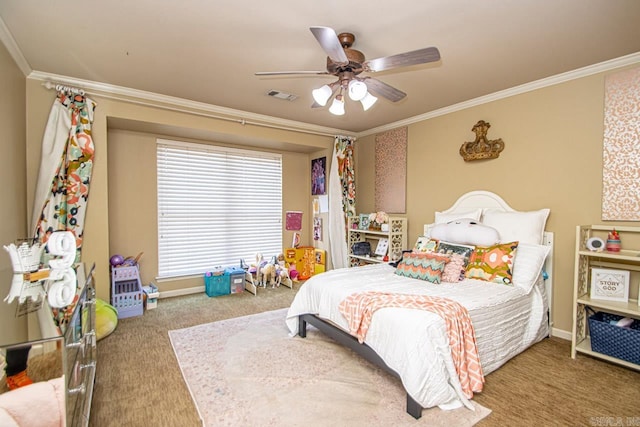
(216, 283)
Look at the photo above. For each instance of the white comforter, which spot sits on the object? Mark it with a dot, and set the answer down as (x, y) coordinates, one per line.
(414, 343)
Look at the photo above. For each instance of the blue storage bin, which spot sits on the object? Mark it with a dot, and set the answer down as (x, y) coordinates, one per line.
(216, 283)
(613, 340)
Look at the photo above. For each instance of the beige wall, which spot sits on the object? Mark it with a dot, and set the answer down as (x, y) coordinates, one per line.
(552, 159)
(100, 230)
(323, 243)
(13, 222)
(133, 200)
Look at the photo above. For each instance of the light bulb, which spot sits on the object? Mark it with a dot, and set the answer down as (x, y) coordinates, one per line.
(368, 101)
(357, 90)
(337, 107)
(322, 94)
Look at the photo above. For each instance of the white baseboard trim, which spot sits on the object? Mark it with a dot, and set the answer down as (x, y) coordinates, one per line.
(181, 292)
(559, 333)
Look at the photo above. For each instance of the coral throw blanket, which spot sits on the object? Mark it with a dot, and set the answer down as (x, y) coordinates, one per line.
(358, 309)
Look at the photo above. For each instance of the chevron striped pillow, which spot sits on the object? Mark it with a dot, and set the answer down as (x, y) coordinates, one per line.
(425, 266)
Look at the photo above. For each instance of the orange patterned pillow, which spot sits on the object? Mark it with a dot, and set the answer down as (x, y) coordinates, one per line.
(493, 263)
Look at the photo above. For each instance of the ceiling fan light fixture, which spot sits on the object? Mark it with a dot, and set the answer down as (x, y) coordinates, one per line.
(322, 94)
(337, 107)
(357, 90)
(368, 101)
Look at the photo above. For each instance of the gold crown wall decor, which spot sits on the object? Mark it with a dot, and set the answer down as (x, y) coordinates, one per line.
(481, 148)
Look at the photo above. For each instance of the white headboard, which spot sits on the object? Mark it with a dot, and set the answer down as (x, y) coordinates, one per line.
(481, 199)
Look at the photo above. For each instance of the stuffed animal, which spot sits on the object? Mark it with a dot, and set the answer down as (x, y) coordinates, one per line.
(466, 231)
(268, 273)
(282, 274)
(254, 269)
(293, 273)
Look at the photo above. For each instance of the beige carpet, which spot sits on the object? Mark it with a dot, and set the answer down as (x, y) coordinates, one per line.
(248, 371)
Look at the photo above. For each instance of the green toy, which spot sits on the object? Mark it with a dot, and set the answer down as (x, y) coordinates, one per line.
(106, 319)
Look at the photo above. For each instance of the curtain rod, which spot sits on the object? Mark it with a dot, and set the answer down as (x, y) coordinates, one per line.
(60, 87)
(63, 88)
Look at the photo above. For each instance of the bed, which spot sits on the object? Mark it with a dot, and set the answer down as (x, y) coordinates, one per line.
(413, 344)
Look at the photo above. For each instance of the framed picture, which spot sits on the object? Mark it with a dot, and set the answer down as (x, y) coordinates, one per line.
(383, 246)
(317, 228)
(610, 284)
(293, 220)
(364, 222)
(318, 168)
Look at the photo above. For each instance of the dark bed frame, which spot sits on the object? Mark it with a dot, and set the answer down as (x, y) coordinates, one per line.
(413, 408)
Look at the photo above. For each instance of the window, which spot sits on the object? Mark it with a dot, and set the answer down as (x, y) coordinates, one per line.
(216, 205)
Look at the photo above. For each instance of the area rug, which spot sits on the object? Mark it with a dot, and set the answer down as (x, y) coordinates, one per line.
(249, 371)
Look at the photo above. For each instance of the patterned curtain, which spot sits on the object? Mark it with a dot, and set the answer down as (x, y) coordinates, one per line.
(62, 189)
(342, 198)
(65, 169)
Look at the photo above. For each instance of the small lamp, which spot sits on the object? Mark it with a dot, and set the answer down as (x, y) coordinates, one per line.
(368, 101)
(322, 95)
(357, 90)
(337, 107)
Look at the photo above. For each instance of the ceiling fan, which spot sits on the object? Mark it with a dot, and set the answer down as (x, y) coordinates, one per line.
(347, 64)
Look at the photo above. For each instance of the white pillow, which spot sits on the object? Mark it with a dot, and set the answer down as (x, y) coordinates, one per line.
(523, 227)
(426, 232)
(444, 217)
(527, 265)
(466, 231)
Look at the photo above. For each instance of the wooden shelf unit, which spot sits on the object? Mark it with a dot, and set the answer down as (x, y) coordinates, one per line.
(584, 260)
(397, 236)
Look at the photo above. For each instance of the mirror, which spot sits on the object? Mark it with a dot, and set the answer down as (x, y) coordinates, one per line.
(45, 359)
(63, 366)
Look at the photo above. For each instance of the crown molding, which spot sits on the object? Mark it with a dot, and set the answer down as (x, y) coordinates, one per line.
(623, 61)
(12, 47)
(173, 103)
(193, 107)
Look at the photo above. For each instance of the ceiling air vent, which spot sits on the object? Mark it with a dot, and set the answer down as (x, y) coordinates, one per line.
(282, 95)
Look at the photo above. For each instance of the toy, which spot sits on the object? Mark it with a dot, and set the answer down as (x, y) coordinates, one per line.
(116, 260)
(106, 319)
(465, 232)
(293, 273)
(255, 268)
(613, 242)
(268, 273)
(283, 276)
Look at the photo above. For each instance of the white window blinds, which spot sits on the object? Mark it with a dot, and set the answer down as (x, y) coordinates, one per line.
(216, 205)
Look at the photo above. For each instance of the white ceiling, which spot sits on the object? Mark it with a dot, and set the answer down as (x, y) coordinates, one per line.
(208, 51)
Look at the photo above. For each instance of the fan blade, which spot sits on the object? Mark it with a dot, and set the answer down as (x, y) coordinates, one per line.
(379, 88)
(328, 39)
(284, 73)
(420, 56)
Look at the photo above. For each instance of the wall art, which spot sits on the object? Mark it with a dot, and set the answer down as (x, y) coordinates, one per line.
(391, 171)
(621, 147)
(318, 176)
